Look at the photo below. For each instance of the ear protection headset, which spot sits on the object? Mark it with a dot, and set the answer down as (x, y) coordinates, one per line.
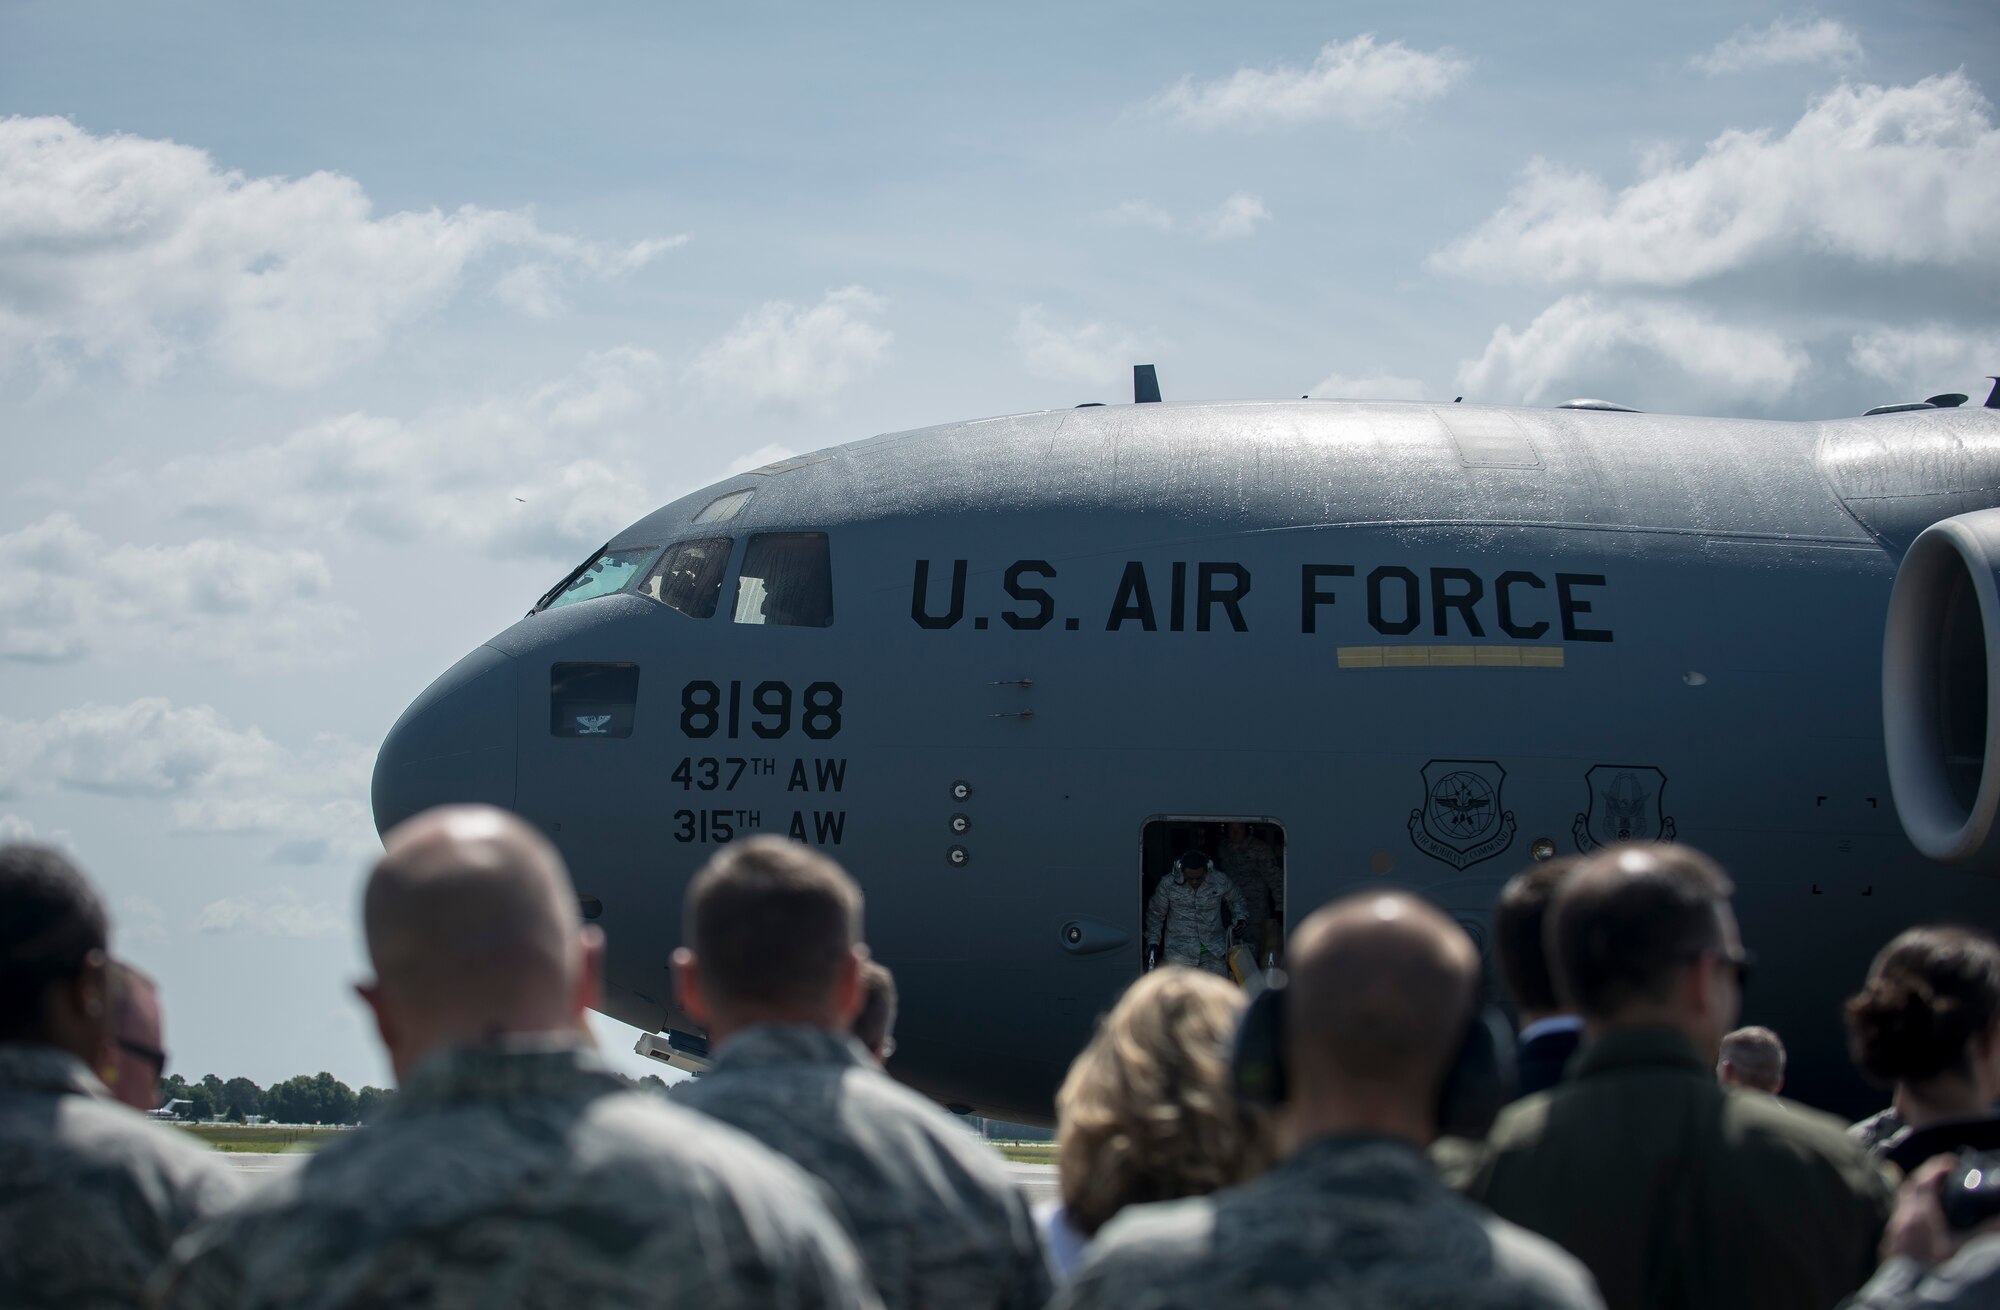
(1478, 1083)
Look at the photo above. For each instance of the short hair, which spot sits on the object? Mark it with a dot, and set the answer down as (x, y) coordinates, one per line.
(770, 922)
(126, 984)
(50, 922)
(1520, 933)
(1627, 918)
(1757, 1056)
(1929, 993)
(878, 1005)
(1382, 987)
(1148, 1112)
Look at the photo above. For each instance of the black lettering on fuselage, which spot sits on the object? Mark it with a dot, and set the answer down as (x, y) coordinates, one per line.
(1412, 606)
(919, 597)
(1045, 603)
(1210, 595)
(1568, 606)
(1177, 607)
(1503, 600)
(1310, 595)
(1443, 600)
(1134, 600)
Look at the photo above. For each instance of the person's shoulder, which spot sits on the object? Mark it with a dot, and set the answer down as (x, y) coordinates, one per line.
(115, 1136)
(1148, 1241)
(1784, 1134)
(1534, 1264)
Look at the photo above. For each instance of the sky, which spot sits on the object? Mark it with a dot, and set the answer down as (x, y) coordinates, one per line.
(332, 335)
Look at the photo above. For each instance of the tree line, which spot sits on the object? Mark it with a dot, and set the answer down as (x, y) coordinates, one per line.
(306, 1099)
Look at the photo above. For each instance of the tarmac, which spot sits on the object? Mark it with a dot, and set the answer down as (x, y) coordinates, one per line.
(1037, 1180)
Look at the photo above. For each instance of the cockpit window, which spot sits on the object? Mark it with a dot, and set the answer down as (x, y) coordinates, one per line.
(724, 508)
(787, 579)
(688, 577)
(610, 571)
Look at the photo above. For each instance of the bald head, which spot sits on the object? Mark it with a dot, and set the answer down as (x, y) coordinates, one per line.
(472, 926)
(1381, 988)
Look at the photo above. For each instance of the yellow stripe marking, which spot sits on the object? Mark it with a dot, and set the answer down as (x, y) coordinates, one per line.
(1450, 657)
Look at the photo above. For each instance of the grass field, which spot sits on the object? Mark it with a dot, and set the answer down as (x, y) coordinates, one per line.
(1028, 1152)
(259, 1139)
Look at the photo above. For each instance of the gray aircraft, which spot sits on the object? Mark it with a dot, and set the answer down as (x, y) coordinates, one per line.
(1009, 670)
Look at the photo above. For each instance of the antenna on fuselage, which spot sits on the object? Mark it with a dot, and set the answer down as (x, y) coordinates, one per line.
(1993, 396)
(1145, 385)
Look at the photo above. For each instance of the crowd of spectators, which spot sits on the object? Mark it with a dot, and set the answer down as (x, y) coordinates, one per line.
(1334, 1138)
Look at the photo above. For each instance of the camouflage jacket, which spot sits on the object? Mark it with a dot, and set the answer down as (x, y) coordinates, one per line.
(526, 1175)
(1253, 866)
(933, 1209)
(92, 1195)
(1193, 918)
(1351, 1221)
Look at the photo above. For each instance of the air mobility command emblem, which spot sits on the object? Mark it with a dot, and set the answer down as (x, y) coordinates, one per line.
(1625, 805)
(1462, 820)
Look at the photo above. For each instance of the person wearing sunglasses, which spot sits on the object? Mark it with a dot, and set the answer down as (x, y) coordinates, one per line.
(134, 1060)
(1675, 1191)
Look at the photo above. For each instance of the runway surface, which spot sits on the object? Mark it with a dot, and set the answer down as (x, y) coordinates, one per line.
(1037, 1180)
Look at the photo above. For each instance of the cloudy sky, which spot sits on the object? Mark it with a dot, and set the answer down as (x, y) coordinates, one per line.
(331, 335)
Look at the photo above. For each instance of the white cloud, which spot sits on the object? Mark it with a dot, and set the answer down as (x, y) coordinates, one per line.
(140, 920)
(548, 471)
(1379, 384)
(1582, 346)
(136, 252)
(1088, 352)
(68, 593)
(14, 828)
(1803, 38)
(1869, 175)
(787, 355)
(217, 777)
(1356, 82)
(235, 914)
(1926, 359)
(1138, 213)
(1235, 218)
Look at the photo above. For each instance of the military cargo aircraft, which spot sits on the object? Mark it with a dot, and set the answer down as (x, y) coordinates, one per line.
(1007, 670)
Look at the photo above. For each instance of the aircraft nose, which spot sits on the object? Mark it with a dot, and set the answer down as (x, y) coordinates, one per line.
(454, 744)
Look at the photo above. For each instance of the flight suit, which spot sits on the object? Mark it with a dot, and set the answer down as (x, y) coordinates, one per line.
(1253, 866)
(526, 1174)
(933, 1209)
(1346, 1221)
(1191, 924)
(92, 1195)
(1678, 1193)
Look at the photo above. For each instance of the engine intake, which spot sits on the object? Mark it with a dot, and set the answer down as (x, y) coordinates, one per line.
(1939, 722)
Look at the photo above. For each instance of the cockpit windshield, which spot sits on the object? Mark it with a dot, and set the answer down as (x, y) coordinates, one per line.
(608, 571)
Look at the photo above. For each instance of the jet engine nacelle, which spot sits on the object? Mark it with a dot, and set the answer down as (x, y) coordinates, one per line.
(1940, 724)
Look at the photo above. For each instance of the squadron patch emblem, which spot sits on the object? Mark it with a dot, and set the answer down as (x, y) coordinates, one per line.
(1462, 820)
(1625, 805)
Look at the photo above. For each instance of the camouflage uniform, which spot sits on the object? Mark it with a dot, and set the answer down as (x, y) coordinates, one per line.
(1195, 920)
(938, 1219)
(92, 1196)
(1350, 1221)
(1253, 866)
(525, 1174)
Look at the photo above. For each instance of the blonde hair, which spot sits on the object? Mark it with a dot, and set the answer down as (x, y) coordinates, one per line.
(1147, 1112)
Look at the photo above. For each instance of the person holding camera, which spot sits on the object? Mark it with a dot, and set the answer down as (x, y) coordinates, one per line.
(1942, 1247)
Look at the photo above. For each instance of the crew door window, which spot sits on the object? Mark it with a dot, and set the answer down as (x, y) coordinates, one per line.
(787, 579)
